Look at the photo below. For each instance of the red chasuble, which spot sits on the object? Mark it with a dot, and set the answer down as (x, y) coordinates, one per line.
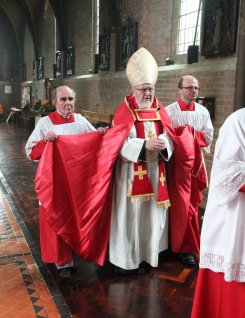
(180, 167)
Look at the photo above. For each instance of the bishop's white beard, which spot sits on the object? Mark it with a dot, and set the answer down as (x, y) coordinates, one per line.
(145, 105)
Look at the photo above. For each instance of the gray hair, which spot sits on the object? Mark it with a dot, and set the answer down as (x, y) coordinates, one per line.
(54, 93)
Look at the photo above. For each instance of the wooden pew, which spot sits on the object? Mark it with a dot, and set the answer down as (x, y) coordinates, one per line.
(96, 118)
(101, 116)
(105, 110)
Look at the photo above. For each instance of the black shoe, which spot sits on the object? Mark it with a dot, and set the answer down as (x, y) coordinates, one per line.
(122, 271)
(144, 268)
(65, 272)
(188, 259)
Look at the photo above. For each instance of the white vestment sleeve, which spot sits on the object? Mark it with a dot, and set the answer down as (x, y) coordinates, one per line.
(131, 149)
(228, 170)
(208, 131)
(37, 134)
(169, 145)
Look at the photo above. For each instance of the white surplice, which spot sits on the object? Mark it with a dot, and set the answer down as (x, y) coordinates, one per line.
(80, 126)
(139, 229)
(223, 230)
(199, 119)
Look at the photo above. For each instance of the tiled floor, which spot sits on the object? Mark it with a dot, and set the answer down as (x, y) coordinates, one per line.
(23, 292)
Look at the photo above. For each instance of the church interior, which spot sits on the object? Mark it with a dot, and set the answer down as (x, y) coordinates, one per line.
(86, 45)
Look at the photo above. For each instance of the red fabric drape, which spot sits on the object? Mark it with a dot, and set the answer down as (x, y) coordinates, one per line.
(37, 150)
(73, 183)
(187, 179)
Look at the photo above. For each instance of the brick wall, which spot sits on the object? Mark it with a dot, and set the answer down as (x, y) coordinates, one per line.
(156, 32)
(79, 33)
(29, 54)
(49, 45)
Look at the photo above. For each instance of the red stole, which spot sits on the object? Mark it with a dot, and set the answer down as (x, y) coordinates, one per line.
(142, 188)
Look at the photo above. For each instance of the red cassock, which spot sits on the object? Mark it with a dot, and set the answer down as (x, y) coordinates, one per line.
(74, 182)
(217, 298)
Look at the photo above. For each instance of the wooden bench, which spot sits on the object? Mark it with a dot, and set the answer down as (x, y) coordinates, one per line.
(105, 110)
(27, 121)
(101, 116)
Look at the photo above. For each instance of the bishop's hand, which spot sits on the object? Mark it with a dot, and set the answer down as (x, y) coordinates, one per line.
(155, 144)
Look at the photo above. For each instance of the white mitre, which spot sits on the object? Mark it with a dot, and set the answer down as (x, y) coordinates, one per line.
(142, 68)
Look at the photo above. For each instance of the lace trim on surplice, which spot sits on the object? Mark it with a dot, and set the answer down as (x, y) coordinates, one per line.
(215, 262)
(228, 182)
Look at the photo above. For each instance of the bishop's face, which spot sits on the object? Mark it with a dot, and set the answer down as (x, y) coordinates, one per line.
(144, 95)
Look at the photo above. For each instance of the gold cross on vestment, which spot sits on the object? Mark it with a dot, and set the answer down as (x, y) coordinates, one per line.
(162, 179)
(140, 173)
(150, 134)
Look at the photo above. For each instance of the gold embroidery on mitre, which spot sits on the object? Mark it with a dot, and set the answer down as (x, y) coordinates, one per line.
(142, 68)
